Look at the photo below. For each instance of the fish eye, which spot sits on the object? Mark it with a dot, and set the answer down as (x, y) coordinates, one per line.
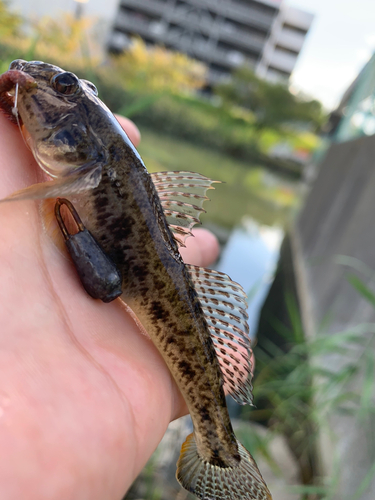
(65, 83)
(91, 86)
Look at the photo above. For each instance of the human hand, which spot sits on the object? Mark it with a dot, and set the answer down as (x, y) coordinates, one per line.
(84, 397)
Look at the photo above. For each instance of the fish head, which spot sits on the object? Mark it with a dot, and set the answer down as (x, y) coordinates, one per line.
(60, 115)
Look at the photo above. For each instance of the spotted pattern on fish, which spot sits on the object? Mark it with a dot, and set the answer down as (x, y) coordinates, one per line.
(119, 204)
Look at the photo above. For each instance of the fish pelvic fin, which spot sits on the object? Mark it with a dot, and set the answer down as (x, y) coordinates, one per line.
(211, 482)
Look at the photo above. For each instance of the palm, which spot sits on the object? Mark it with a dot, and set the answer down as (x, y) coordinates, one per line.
(84, 397)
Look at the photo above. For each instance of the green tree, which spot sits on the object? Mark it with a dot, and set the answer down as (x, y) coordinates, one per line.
(156, 69)
(66, 39)
(10, 22)
(272, 104)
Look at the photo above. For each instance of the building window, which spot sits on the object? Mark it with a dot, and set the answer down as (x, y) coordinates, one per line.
(259, 7)
(284, 50)
(294, 29)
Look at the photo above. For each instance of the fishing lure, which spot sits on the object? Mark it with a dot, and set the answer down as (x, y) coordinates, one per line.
(98, 274)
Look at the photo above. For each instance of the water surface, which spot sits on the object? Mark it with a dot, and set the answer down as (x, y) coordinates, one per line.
(248, 211)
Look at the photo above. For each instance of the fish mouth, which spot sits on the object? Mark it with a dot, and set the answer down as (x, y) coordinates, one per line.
(10, 82)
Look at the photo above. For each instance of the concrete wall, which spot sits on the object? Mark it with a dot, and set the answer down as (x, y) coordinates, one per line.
(338, 219)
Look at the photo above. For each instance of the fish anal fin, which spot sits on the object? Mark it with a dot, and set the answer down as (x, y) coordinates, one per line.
(124, 299)
(182, 195)
(224, 305)
(211, 482)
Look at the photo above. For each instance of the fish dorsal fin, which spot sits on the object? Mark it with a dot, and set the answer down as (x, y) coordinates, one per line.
(182, 195)
(224, 304)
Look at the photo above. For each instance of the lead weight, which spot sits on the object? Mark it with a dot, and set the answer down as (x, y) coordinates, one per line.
(98, 274)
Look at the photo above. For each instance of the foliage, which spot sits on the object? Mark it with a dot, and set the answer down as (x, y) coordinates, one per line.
(156, 69)
(10, 23)
(272, 104)
(66, 42)
(65, 35)
(196, 120)
(303, 382)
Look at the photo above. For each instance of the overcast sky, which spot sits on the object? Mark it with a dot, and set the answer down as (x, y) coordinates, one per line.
(339, 43)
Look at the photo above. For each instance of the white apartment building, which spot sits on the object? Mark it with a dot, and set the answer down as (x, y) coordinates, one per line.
(224, 34)
(285, 41)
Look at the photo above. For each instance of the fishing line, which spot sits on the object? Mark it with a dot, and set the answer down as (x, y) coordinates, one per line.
(16, 114)
(14, 109)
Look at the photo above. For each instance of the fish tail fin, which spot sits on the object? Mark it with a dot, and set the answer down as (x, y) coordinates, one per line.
(211, 482)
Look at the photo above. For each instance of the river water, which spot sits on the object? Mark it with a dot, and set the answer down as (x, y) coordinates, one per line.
(250, 257)
(248, 211)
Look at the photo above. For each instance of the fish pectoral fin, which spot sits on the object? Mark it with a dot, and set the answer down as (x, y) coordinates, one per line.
(62, 186)
(223, 302)
(209, 481)
(182, 195)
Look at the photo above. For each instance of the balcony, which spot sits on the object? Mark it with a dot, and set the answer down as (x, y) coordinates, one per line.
(130, 23)
(235, 36)
(243, 39)
(282, 61)
(234, 11)
(229, 58)
(290, 40)
(185, 19)
(157, 7)
(205, 51)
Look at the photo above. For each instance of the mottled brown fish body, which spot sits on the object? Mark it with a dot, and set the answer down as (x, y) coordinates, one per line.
(159, 290)
(203, 340)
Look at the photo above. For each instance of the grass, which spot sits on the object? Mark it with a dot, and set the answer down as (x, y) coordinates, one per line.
(304, 386)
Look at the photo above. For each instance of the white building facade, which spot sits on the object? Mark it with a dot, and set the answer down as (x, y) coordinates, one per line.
(224, 34)
(284, 43)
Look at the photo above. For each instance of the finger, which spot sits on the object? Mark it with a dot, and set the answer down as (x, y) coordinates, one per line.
(130, 128)
(201, 250)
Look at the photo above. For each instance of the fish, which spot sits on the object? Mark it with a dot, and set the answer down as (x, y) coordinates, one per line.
(196, 317)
